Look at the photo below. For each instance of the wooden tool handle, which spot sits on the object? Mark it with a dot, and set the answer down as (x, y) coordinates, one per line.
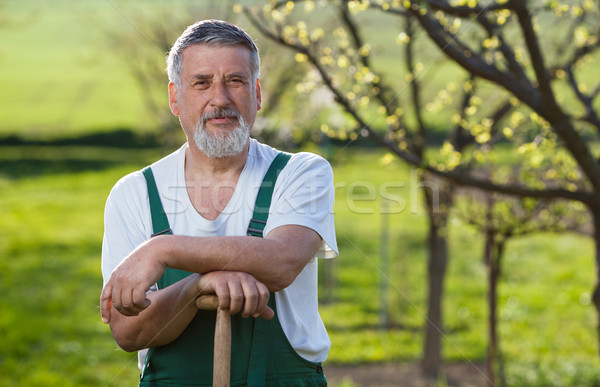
(222, 354)
(222, 361)
(207, 302)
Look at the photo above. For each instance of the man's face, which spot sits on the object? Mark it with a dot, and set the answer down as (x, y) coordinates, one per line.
(216, 83)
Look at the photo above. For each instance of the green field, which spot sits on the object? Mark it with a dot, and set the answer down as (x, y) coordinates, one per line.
(56, 76)
(64, 65)
(50, 238)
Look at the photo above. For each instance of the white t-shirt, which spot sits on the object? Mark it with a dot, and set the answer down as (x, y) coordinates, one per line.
(303, 195)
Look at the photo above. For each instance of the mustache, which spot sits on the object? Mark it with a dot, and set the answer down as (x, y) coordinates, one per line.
(221, 112)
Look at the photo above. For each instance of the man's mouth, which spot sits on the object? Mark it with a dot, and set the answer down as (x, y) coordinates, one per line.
(221, 120)
(222, 116)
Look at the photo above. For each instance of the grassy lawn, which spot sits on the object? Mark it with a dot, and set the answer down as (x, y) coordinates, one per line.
(50, 236)
(56, 75)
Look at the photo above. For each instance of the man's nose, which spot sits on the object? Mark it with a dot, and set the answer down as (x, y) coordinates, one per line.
(219, 95)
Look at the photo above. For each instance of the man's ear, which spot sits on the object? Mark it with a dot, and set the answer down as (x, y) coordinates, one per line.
(258, 96)
(173, 98)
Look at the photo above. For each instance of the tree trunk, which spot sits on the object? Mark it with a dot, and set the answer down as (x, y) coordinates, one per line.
(500, 376)
(329, 268)
(437, 209)
(596, 295)
(384, 310)
(492, 280)
(434, 325)
(493, 257)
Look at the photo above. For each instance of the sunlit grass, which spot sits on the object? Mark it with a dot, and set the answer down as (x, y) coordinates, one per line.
(50, 236)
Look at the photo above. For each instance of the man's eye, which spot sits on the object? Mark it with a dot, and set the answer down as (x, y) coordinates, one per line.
(201, 84)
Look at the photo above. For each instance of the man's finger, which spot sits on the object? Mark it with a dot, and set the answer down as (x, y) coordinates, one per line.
(125, 306)
(236, 297)
(106, 303)
(140, 302)
(267, 313)
(251, 299)
(222, 291)
(125, 303)
(120, 301)
(263, 298)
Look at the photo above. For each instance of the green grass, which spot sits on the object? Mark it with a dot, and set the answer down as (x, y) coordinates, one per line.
(62, 76)
(50, 238)
(546, 321)
(56, 74)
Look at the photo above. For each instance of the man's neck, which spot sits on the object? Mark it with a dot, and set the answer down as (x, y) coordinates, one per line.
(197, 164)
(211, 181)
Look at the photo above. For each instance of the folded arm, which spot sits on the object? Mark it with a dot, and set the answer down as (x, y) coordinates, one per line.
(170, 310)
(275, 261)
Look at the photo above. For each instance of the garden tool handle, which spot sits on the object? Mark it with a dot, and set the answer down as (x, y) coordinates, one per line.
(222, 359)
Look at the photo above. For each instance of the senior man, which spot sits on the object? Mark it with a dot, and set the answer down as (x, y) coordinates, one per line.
(223, 215)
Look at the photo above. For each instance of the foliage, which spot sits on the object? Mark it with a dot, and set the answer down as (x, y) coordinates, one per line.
(500, 92)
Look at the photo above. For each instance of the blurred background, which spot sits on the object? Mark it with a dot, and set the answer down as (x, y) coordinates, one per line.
(463, 137)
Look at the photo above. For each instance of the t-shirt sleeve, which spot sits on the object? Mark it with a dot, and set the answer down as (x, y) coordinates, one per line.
(124, 222)
(304, 195)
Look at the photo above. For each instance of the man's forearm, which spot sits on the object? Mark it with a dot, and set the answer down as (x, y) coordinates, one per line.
(275, 260)
(169, 313)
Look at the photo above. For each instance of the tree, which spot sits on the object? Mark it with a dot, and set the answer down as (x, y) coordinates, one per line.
(534, 68)
(500, 219)
(498, 46)
(407, 128)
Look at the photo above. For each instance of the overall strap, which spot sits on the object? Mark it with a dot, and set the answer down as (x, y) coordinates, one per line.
(265, 193)
(259, 344)
(160, 223)
(257, 369)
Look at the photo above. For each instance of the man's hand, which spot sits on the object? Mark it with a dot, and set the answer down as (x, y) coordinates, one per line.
(238, 292)
(127, 286)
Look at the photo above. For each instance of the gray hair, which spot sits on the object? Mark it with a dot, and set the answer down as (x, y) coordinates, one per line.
(215, 33)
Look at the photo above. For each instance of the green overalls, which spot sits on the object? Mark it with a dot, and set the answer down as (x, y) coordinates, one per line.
(261, 353)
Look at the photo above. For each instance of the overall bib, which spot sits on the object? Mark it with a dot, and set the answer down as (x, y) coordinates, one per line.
(261, 355)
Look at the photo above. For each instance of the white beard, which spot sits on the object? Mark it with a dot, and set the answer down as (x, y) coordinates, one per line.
(222, 144)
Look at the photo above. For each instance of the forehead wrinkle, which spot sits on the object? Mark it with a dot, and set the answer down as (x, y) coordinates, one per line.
(205, 76)
(236, 74)
(206, 60)
(202, 76)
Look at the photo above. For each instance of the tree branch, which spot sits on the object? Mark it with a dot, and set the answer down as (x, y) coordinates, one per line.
(457, 176)
(587, 100)
(339, 97)
(552, 111)
(462, 11)
(476, 65)
(460, 178)
(390, 105)
(513, 65)
(460, 137)
(415, 87)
